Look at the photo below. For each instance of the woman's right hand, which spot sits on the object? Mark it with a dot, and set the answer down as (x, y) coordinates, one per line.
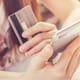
(41, 69)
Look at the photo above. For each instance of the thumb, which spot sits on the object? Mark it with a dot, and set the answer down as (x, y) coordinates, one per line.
(39, 60)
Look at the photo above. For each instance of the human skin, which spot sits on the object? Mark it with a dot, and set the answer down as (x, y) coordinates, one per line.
(41, 69)
(71, 51)
(38, 42)
(62, 17)
(61, 8)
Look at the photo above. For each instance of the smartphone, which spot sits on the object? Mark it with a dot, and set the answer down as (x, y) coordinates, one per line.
(64, 36)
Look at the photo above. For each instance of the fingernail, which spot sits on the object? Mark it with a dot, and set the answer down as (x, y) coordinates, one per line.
(27, 54)
(25, 35)
(21, 49)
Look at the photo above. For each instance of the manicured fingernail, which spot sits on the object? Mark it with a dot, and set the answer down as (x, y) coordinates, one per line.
(21, 49)
(25, 34)
(27, 54)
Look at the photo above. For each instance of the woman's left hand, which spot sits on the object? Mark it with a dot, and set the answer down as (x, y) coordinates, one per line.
(43, 31)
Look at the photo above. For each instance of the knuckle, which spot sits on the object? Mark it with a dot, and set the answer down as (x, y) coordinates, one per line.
(46, 25)
(41, 36)
(44, 36)
(53, 26)
(78, 40)
(39, 24)
(45, 42)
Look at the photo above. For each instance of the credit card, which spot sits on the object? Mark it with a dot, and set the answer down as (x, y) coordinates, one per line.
(21, 21)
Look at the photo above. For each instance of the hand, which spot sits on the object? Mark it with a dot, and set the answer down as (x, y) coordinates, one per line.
(41, 69)
(36, 43)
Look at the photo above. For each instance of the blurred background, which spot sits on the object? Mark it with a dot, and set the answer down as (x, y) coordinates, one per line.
(47, 16)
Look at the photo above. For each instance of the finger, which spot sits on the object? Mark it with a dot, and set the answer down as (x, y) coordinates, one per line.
(2, 40)
(74, 63)
(34, 41)
(37, 48)
(68, 53)
(40, 59)
(39, 27)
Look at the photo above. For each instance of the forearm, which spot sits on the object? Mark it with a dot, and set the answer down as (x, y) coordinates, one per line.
(10, 76)
(61, 8)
